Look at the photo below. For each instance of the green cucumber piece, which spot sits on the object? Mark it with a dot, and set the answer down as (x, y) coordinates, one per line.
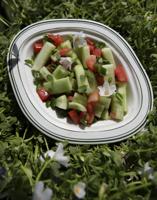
(107, 54)
(105, 115)
(60, 72)
(99, 108)
(66, 44)
(74, 57)
(82, 81)
(103, 104)
(77, 106)
(91, 79)
(78, 98)
(106, 101)
(55, 57)
(117, 110)
(122, 89)
(58, 86)
(44, 73)
(61, 102)
(83, 53)
(43, 56)
(110, 75)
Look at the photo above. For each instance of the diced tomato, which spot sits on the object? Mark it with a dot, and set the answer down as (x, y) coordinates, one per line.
(74, 116)
(64, 51)
(94, 97)
(91, 48)
(99, 79)
(37, 46)
(121, 74)
(56, 39)
(97, 52)
(43, 94)
(91, 107)
(90, 118)
(90, 62)
(82, 114)
(90, 41)
(70, 98)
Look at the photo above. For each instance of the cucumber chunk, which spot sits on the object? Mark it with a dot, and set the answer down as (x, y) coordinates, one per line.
(107, 54)
(43, 56)
(60, 72)
(82, 81)
(44, 72)
(105, 115)
(91, 79)
(122, 89)
(61, 102)
(83, 53)
(117, 110)
(103, 104)
(110, 75)
(82, 99)
(66, 44)
(77, 106)
(58, 86)
(99, 108)
(105, 101)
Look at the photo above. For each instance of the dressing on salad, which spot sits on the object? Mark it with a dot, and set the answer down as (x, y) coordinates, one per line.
(78, 77)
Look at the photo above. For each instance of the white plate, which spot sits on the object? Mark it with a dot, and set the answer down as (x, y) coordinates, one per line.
(140, 96)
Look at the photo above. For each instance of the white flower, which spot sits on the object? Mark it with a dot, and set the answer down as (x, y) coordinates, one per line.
(79, 40)
(148, 171)
(49, 154)
(106, 89)
(58, 155)
(66, 62)
(79, 190)
(40, 193)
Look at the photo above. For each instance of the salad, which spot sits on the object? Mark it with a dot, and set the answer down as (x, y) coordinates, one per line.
(78, 77)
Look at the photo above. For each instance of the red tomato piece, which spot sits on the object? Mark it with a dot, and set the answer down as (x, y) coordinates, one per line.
(43, 94)
(74, 116)
(89, 41)
(91, 107)
(90, 62)
(90, 118)
(37, 46)
(94, 97)
(64, 51)
(121, 74)
(56, 39)
(82, 114)
(99, 79)
(97, 52)
(91, 48)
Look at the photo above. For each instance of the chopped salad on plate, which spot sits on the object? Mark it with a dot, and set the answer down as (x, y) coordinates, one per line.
(79, 78)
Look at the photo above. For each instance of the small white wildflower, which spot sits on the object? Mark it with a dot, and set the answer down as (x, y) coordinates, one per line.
(66, 62)
(147, 170)
(79, 40)
(40, 193)
(59, 156)
(106, 89)
(79, 190)
(49, 154)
